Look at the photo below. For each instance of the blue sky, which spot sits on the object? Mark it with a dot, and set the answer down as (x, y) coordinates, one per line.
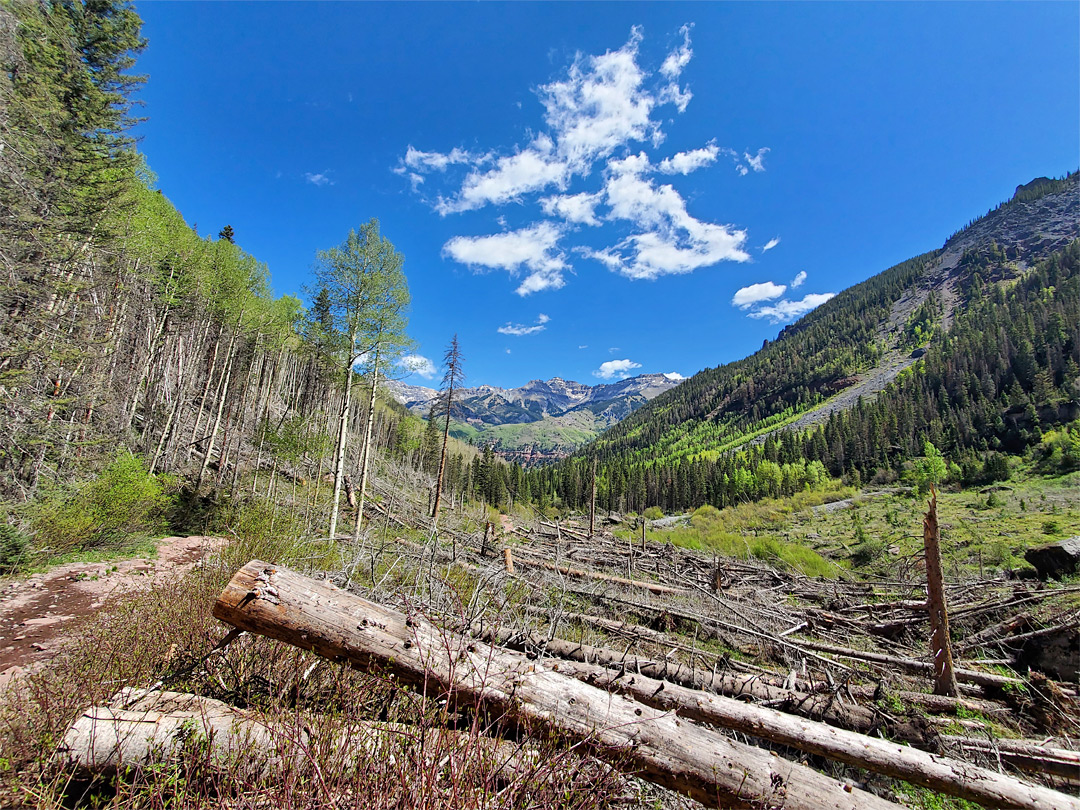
(596, 190)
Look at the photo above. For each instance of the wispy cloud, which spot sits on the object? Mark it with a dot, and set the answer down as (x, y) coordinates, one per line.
(613, 369)
(520, 329)
(686, 162)
(599, 117)
(674, 376)
(756, 293)
(786, 311)
(535, 249)
(418, 364)
(800, 277)
(770, 244)
(756, 162)
(320, 179)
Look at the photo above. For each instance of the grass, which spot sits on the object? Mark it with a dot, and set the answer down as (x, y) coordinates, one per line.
(723, 532)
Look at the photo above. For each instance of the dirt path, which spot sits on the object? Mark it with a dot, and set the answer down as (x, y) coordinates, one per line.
(39, 611)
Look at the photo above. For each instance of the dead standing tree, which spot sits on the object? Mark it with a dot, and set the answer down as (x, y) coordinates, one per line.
(940, 644)
(452, 380)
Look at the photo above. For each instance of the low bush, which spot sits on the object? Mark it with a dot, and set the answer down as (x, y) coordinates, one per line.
(123, 502)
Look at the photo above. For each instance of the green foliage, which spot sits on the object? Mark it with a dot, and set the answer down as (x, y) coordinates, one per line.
(1059, 450)
(928, 471)
(14, 546)
(122, 503)
(653, 513)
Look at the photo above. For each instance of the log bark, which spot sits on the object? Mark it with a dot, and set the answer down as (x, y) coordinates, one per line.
(941, 774)
(695, 761)
(824, 707)
(141, 727)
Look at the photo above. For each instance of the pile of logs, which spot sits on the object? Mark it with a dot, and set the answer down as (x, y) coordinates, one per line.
(669, 733)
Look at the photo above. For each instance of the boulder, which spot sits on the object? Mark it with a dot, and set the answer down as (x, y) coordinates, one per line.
(1056, 560)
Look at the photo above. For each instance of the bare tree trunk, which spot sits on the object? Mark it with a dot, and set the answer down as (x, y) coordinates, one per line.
(223, 395)
(592, 501)
(940, 643)
(343, 431)
(366, 452)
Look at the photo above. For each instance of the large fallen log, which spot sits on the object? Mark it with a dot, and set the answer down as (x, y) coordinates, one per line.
(825, 707)
(701, 763)
(140, 728)
(653, 587)
(950, 776)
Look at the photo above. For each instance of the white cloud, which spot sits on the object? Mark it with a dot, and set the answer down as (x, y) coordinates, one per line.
(520, 329)
(594, 115)
(534, 249)
(799, 279)
(602, 104)
(576, 208)
(674, 376)
(583, 346)
(755, 162)
(786, 311)
(529, 170)
(686, 162)
(770, 245)
(615, 368)
(437, 161)
(320, 179)
(672, 68)
(756, 293)
(418, 364)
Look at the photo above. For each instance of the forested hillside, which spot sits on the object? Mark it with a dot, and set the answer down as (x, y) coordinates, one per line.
(982, 343)
(132, 346)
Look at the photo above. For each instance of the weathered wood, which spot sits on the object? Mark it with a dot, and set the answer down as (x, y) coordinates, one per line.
(940, 643)
(695, 761)
(984, 679)
(653, 587)
(950, 776)
(142, 727)
(824, 707)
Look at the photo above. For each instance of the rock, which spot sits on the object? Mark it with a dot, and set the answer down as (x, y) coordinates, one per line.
(1056, 560)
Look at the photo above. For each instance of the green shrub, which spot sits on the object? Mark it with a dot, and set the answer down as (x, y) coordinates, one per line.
(124, 501)
(653, 513)
(868, 551)
(13, 548)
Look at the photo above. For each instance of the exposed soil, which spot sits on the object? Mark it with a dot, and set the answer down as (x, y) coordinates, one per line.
(38, 612)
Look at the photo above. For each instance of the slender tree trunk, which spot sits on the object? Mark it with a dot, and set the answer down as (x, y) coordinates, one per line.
(592, 501)
(206, 391)
(940, 643)
(223, 395)
(343, 431)
(366, 452)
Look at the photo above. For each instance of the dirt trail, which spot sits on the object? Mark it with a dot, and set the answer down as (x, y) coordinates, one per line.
(38, 612)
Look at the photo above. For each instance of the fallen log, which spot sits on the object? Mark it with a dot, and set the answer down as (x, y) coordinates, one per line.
(824, 707)
(1026, 755)
(986, 680)
(653, 587)
(703, 764)
(142, 727)
(950, 776)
